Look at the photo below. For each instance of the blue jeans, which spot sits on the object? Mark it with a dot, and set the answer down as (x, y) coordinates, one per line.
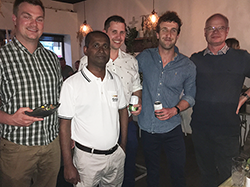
(174, 146)
(131, 150)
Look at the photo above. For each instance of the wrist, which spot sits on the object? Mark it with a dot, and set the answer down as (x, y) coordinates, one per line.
(245, 95)
(177, 109)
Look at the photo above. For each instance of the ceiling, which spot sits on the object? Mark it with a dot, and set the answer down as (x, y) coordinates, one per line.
(70, 1)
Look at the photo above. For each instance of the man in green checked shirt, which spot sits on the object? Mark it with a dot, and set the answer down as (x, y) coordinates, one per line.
(29, 77)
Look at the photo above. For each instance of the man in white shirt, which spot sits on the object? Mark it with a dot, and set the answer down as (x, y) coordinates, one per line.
(126, 67)
(93, 111)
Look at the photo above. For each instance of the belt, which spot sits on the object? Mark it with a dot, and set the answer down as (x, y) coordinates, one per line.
(95, 151)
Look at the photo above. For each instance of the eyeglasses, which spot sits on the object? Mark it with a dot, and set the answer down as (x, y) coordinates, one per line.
(212, 29)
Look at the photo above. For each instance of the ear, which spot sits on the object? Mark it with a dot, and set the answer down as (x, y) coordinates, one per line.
(157, 35)
(227, 31)
(104, 31)
(178, 36)
(14, 19)
(85, 50)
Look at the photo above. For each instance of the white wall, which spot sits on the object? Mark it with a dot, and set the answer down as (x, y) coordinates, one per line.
(59, 21)
(193, 14)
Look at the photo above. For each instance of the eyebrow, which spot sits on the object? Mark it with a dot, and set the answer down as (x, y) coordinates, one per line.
(31, 15)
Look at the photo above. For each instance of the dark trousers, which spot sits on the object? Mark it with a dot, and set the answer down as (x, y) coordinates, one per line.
(174, 147)
(214, 155)
(131, 150)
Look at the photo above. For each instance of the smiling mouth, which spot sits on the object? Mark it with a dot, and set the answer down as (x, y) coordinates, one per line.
(117, 42)
(32, 29)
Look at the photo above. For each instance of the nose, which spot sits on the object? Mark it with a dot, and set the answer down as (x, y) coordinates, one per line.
(101, 49)
(33, 22)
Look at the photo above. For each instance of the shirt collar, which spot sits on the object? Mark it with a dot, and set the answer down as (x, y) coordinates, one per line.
(223, 51)
(18, 44)
(91, 77)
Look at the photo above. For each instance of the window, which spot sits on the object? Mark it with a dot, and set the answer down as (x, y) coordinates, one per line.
(54, 43)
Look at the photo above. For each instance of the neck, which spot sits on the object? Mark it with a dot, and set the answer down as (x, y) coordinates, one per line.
(97, 71)
(30, 45)
(214, 49)
(166, 55)
(114, 54)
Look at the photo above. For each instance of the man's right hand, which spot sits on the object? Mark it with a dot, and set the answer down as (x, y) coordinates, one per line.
(71, 174)
(19, 118)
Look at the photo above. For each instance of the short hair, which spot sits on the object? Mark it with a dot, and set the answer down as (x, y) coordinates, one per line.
(232, 42)
(218, 15)
(33, 2)
(114, 18)
(169, 16)
(89, 37)
(61, 58)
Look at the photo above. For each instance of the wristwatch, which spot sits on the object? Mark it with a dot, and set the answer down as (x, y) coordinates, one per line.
(178, 110)
(245, 95)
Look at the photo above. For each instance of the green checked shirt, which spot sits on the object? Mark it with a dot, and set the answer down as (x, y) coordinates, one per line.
(29, 80)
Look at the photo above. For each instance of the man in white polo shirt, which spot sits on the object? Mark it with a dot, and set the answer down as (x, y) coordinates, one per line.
(126, 67)
(92, 111)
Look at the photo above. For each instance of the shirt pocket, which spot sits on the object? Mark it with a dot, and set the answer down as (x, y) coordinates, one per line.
(113, 99)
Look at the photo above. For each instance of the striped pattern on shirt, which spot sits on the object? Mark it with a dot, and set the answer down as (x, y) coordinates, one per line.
(29, 80)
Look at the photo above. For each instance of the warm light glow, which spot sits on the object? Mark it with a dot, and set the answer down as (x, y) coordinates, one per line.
(83, 31)
(153, 18)
(84, 28)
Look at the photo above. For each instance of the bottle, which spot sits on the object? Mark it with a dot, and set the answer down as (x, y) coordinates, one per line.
(157, 106)
(133, 101)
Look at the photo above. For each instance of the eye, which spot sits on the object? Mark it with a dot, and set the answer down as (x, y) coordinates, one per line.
(123, 32)
(164, 30)
(96, 45)
(27, 17)
(39, 20)
(174, 30)
(105, 46)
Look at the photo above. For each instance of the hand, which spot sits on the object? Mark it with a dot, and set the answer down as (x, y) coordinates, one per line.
(165, 113)
(242, 100)
(72, 144)
(19, 118)
(138, 111)
(71, 174)
(123, 147)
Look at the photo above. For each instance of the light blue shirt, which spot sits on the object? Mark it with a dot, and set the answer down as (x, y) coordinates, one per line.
(166, 85)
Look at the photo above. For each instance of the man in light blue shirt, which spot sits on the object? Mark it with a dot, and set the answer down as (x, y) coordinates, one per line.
(168, 77)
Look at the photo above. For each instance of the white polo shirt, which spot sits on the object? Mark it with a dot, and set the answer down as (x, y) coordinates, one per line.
(126, 67)
(92, 105)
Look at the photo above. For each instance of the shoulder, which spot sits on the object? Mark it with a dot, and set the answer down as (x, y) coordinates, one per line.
(127, 56)
(146, 53)
(195, 57)
(185, 62)
(49, 54)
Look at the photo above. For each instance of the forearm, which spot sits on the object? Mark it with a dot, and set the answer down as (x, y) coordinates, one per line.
(65, 141)
(123, 113)
(138, 93)
(5, 118)
(183, 105)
